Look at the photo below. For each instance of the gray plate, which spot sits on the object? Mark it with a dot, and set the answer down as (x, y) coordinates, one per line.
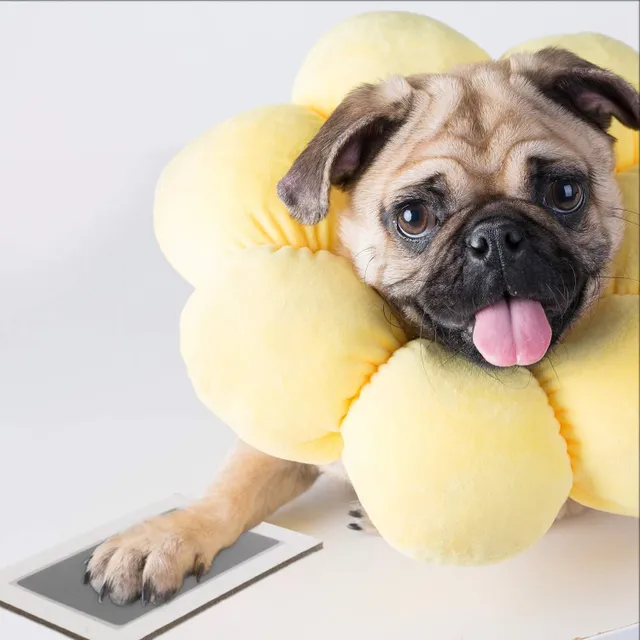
(49, 588)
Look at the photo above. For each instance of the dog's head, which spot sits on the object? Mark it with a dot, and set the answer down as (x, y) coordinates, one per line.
(483, 202)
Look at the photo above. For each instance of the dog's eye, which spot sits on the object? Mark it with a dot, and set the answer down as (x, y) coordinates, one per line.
(416, 221)
(564, 195)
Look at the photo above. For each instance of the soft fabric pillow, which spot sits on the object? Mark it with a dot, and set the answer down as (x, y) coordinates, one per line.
(287, 346)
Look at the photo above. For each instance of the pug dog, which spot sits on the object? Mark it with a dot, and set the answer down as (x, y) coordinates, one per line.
(483, 208)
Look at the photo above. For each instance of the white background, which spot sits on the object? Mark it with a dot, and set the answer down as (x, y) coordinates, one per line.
(97, 417)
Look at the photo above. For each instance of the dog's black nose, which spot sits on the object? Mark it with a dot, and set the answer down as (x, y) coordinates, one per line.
(495, 237)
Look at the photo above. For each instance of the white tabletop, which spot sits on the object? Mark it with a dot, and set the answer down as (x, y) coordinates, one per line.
(97, 417)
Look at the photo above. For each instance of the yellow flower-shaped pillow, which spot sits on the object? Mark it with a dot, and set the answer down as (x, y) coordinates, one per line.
(296, 354)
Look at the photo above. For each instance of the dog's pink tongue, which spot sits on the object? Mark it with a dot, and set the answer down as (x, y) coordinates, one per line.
(512, 332)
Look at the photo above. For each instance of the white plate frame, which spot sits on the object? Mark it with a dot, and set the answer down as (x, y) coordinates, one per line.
(292, 545)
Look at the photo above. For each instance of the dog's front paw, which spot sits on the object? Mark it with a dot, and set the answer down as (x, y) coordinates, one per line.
(360, 520)
(151, 560)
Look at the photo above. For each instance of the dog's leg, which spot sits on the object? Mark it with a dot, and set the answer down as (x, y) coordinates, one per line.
(151, 559)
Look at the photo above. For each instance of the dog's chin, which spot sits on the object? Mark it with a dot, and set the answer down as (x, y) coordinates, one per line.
(456, 332)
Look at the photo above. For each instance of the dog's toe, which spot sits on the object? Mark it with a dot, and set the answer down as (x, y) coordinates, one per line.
(361, 519)
(151, 560)
(115, 572)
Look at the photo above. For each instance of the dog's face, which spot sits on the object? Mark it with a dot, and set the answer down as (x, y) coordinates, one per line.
(483, 204)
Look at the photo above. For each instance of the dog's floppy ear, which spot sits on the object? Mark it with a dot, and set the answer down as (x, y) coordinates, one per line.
(345, 144)
(594, 94)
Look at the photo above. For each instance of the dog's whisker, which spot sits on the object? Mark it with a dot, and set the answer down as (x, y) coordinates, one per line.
(552, 294)
(364, 275)
(555, 373)
(635, 213)
(619, 278)
(357, 255)
(625, 219)
(384, 313)
(422, 348)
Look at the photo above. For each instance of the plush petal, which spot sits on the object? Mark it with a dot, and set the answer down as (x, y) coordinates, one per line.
(279, 342)
(452, 463)
(592, 383)
(218, 195)
(282, 340)
(625, 275)
(372, 46)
